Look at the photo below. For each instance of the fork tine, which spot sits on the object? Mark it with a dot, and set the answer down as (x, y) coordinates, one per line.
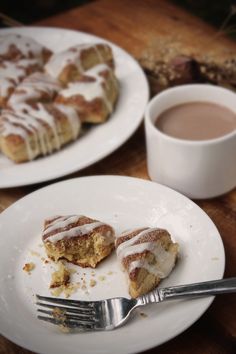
(84, 311)
(72, 303)
(65, 317)
(67, 323)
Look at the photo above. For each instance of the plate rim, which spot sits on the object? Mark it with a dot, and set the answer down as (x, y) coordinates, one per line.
(128, 134)
(208, 301)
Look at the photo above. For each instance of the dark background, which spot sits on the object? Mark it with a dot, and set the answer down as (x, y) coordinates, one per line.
(217, 12)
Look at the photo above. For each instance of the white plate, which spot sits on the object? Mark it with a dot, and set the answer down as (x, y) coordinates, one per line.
(124, 203)
(99, 141)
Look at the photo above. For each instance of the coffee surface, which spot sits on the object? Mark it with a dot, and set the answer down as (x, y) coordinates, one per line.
(196, 121)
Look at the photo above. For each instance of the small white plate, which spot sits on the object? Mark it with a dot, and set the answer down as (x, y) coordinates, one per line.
(99, 141)
(124, 203)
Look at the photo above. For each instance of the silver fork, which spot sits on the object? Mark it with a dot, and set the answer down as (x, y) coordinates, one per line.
(112, 313)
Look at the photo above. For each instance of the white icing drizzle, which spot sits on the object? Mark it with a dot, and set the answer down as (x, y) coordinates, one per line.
(164, 260)
(90, 90)
(42, 114)
(27, 46)
(32, 88)
(121, 249)
(11, 73)
(59, 61)
(72, 116)
(66, 222)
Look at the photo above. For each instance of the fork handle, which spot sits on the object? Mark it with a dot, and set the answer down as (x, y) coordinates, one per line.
(212, 287)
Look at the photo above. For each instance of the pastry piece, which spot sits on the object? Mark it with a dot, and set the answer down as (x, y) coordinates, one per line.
(38, 87)
(41, 130)
(78, 239)
(12, 73)
(60, 277)
(147, 256)
(70, 64)
(94, 95)
(15, 46)
(168, 64)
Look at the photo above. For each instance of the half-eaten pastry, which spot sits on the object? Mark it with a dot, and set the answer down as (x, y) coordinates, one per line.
(78, 239)
(147, 256)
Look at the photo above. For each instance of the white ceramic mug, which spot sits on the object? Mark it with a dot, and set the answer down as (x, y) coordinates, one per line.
(198, 169)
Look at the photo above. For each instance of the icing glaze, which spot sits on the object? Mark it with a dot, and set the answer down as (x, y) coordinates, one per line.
(64, 224)
(32, 88)
(91, 89)
(71, 56)
(27, 47)
(11, 73)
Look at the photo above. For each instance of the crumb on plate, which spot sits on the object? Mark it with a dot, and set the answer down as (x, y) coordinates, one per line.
(28, 267)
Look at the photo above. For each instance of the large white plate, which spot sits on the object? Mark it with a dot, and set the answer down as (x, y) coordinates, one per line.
(99, 141)
(123, 202)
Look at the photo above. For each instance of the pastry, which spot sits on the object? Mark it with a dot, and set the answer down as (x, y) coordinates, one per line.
(147, 256)
(12, 73)
(169, 63)
(15, 46)
(40, 130)
(78, 239)
(38, 87)
(94, 95)
(70, 64)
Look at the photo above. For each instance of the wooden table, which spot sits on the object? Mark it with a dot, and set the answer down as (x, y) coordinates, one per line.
(134, 25)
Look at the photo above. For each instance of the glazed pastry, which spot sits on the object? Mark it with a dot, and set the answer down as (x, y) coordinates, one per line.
(147, 256)
(70, 64)
(41, 130)
(94, 95)
(78, 239)
(12, 73)
(38, 87)
(15, 46)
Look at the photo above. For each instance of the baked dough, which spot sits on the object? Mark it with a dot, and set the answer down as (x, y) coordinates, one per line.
(78, 239)
(69, 65)
(41, 130)
(94, 95)
(147, 256)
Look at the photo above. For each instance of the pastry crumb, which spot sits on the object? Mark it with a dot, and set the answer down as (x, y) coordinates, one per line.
(92, 283)
(102, 277)
(57, 291)
(64, 328)
(34, 253)
(110, 272)
(143, 314)
(28, 267)
(60, 277)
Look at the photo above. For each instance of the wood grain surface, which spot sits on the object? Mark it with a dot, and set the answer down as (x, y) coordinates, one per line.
(136, 26)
